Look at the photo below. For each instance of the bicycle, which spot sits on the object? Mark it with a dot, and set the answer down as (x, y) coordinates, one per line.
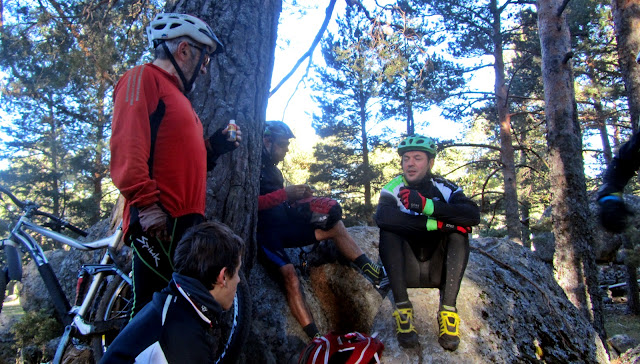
(100, 308)
(103, 306)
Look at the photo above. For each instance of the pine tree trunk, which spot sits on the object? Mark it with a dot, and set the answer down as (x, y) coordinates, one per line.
(601, 120)
(574, 261)
(236, 87)
(507, 154)
(626, 17)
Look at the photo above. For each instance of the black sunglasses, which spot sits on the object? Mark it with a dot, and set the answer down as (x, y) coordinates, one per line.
(207, 59)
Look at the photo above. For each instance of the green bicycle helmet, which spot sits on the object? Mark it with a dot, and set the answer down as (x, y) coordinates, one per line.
(418, 142)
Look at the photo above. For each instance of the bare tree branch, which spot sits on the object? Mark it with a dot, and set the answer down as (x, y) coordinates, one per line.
(315, 42)
(562, 7)
(488, 146)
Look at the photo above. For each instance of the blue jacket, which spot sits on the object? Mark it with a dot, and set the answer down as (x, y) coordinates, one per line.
(180, 325)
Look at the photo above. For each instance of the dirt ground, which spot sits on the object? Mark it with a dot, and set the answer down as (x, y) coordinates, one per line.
(617, 321)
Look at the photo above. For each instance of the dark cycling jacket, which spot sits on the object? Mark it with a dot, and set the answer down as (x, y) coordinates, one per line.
(180, 325)
(623, 166)
(271, 202)
(450, 206)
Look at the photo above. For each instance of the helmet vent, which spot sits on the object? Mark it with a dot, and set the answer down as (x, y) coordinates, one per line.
(173, 26)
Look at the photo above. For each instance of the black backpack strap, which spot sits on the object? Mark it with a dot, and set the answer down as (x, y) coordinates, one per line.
(154, 121)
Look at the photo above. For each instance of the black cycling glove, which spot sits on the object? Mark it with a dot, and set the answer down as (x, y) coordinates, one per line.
(218, 145)
(613, 213)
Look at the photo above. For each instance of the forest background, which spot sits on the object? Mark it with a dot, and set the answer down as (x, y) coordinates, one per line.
(384, 68)
(367, 93)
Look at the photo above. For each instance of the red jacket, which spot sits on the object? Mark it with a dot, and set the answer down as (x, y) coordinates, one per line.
(179, 169)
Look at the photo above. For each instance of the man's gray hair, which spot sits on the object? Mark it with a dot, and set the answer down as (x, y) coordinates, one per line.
(172, 45)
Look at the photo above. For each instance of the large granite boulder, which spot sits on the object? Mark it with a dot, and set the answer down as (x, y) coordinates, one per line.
(512, 310)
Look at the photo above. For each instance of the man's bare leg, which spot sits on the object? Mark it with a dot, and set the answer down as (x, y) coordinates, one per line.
(295, 299)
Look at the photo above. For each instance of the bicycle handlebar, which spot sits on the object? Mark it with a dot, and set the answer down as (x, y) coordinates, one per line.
(22, 205)
(63, 223)
(13, 198)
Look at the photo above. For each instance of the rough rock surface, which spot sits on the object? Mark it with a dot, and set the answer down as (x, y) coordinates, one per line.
(622, 343)
(512, 311)
(630, 356)
(607, 245)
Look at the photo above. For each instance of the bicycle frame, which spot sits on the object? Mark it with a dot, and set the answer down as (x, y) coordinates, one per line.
(74, 318)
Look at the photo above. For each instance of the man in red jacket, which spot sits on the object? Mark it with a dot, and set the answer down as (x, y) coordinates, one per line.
(291, 217)
(159, 157)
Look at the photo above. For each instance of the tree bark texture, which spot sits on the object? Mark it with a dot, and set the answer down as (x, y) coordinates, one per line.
(574, 261)
(626, 17)
(507, 154)
(236, 87)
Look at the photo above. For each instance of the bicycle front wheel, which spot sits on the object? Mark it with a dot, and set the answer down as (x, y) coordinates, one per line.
(115, 306)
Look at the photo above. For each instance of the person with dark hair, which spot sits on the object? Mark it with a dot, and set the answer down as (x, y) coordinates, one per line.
(424, 223)
(291, 217)
(180, 324)
(159, 156)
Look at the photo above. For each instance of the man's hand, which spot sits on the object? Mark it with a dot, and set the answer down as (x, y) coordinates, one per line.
(613, 213)
(154, 221)
(450, 228)
(414, 201)
(298, 192)
(219, 143)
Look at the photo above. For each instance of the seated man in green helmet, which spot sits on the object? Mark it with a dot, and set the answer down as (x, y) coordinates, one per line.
(424, 223)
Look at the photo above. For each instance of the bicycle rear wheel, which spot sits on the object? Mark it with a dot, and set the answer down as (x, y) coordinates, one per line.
(115, 305)
(235, 324)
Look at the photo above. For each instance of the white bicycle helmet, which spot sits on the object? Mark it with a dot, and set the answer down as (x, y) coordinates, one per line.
(167, 26)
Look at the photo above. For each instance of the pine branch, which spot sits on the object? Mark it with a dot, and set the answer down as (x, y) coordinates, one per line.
(488, 146)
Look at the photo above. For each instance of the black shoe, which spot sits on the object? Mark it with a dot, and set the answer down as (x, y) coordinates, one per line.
(376, 274)
(449, 336)
(405, 331)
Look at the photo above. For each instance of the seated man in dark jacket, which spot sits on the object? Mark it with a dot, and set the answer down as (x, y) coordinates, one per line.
(180, 324)
(424, 223)
(291, 217)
